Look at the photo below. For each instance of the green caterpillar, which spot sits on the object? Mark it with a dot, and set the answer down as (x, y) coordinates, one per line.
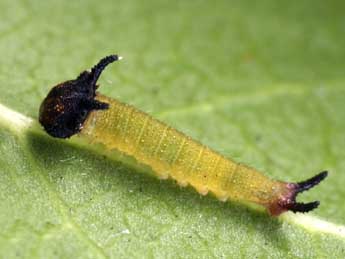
(74, 107)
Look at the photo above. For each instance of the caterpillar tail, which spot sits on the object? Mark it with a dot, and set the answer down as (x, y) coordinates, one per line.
(287, 201)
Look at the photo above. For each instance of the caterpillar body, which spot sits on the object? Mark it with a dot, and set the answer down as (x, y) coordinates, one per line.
(74, 107)
(172, 154)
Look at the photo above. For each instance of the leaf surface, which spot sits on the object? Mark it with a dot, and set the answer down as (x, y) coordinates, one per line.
(261, 83)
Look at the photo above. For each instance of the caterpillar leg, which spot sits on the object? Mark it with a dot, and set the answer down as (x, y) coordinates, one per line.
(94, 105)
(288, 201)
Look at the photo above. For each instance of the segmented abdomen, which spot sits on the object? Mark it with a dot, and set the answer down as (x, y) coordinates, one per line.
(170, 153)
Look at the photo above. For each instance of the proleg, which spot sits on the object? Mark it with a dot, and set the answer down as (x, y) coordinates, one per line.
(74, 107)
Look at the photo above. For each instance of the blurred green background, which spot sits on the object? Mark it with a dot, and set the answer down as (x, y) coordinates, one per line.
(262, 82)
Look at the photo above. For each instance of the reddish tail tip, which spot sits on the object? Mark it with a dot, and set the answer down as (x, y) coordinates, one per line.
(288, 201)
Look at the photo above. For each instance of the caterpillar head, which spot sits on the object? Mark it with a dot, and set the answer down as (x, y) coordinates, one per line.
(67, 105)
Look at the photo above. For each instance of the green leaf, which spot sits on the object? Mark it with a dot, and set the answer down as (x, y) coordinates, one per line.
(261, 83)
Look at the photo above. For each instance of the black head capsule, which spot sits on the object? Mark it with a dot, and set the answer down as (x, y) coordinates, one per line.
(67, 105)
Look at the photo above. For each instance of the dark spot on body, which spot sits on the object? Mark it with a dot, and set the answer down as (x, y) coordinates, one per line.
(67, 105)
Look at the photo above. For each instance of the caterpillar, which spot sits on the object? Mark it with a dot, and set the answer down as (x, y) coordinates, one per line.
(74, 107)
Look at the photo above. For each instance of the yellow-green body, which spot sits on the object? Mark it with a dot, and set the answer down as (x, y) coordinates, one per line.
(172, 154)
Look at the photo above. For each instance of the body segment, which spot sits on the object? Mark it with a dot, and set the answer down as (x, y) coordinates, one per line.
(171, 153)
